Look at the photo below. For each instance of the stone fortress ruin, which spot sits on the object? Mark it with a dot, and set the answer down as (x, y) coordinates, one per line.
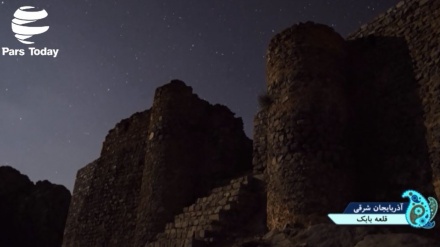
(337, 113)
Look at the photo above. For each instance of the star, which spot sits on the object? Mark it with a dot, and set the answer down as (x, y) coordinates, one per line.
(134, 49)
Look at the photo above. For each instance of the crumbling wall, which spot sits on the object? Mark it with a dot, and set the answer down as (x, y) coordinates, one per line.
(417, 22)
(193, 146)
(106, 193)
(152, 165)
(308, 172)
(231, 211)
(75, 223)
(345, 121)
(347, 117)
(387, 132)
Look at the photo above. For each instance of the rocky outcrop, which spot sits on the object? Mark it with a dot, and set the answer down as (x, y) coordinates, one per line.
(326, 235)
(31, 214)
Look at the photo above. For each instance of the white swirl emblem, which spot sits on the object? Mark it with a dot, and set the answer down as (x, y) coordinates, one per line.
(23, 16)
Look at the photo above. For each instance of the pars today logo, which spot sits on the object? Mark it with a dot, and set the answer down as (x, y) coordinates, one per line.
(23, 16)
(24, 28)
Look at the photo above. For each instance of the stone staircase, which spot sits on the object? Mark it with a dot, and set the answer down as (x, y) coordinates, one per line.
(216, 218)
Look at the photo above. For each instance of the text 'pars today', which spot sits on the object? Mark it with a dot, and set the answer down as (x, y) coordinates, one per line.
(32, 51)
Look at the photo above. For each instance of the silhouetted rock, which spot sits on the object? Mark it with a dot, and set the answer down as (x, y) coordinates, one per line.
(396, 239)
(31, 215)
(327, 235)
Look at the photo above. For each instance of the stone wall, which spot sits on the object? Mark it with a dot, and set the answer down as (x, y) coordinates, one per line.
(234, 210)
(75, 224)
(417, 22)
(387, 132)
(106, 193)
(307, 162)
(193, 146)
(345, 120)
(152, 165)
(354, 120)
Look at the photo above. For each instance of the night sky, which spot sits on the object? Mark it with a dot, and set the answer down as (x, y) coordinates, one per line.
(56, 112)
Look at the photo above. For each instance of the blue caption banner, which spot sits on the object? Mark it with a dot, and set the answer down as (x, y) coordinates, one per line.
(419, 212)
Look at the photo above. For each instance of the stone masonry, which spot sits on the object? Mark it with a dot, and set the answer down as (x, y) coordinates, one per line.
(417, 23)
(154, 164)
(354, 119)
(97, 215)
(307, 126)
(216, 218)
(192, 148)
(344, 112)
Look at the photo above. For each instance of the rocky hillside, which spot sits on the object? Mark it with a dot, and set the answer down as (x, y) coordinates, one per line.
(31, 214)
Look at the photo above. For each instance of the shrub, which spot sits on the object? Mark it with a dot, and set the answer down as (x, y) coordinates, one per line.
(264, 100)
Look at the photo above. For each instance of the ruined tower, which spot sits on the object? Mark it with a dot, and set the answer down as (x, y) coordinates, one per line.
(192, 147)
(154, 164)
(347, 120)
(306, 156)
